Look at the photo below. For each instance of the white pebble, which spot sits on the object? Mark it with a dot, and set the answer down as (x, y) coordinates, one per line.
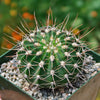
(3, 74)
(40, 94)
(4, 65)
(30, 92)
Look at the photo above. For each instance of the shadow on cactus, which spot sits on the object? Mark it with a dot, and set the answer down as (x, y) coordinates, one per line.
(52, 56)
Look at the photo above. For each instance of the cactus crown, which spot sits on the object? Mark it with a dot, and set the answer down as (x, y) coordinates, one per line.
(51, 57)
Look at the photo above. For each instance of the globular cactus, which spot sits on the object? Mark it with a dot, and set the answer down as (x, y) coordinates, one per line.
(51, 57)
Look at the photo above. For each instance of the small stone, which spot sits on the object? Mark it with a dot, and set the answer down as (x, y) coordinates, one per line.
(30, 92)
(25, 76)
(90, 57)
(87, 60)
(3, 74)
(40, 99)
(70, 90)
(64, 94)
(69, 94)
(17, 83)
(86, 70)
(14, 77)
(73, 90)
(35, 93)
(97, 65)
(93, 73)
(26, 88)
(88, 76)
(0, 71)
(21, 81)
(4, 65)
(40, 94)
(91, 70)
(26, 84)
(51, 98)
(57, 93)
(20, 76)
(55, 99)
(8, 64)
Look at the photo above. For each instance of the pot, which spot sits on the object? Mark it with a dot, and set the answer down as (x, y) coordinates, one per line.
(8, 91)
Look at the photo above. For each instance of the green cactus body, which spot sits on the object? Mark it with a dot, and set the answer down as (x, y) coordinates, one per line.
(51, 57)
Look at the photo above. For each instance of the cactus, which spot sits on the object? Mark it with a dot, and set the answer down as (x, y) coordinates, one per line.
(51, 56)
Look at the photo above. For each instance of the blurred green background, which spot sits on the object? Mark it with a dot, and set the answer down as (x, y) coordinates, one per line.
(14, 11)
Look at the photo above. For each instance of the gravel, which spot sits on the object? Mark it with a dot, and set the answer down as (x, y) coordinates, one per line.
(10, 71)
